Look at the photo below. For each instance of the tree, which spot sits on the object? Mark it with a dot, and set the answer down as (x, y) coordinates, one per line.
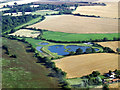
(105, 87)
(88, 50)
(79, 51)
(71, 53)
(93, 50)
(15, 3)
(118, 50)
(95, 73)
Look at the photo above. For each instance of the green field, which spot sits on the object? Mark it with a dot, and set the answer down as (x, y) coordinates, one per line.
(23, 71)
(40, 12)
(29, 23)
(61, 36)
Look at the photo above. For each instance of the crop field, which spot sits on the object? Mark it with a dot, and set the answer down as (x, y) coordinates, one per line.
(44, 12)
(81, 65)
(110, 10)
(77, 24)
(23, 71)
(17, 14)
(26, 33)
(50, 35)
(114, 85)
(113, 45)
(4, 9)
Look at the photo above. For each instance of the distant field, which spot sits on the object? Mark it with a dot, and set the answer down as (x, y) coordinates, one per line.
(26, 33)
(4, 9)
(50, 35)
(110, 10)
(15, 14)
(44, 12)
(77, 24)
(80, 65)
(113, 45)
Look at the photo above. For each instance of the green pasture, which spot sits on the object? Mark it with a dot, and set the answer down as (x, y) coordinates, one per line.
(61, 36)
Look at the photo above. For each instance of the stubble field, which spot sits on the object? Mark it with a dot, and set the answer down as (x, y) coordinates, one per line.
(110, 10)
(77, 24)
(113, 45)
(78, 66)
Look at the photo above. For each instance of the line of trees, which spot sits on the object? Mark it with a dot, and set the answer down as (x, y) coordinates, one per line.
(96, 40)
(10, 22)
(63, 8)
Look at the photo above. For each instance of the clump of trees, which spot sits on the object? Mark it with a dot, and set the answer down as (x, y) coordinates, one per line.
(10, 22)
(118, 50)
(8, 52)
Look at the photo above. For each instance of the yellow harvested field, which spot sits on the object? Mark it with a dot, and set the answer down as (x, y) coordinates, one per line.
(80, 65)
(114, 85)
(113, 45)
(26, 33)
(110, 10)
(77, 24)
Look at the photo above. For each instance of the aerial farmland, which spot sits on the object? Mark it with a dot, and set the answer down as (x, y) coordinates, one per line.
(70, 44)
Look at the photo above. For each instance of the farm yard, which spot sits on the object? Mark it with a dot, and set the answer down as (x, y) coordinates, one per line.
(62, 23)
(108, 11)
(81, 65)
(113, 45)
(26, 33)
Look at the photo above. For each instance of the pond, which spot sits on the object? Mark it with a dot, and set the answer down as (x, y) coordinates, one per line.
(43, 43)
(59, 49)
(39, 48)
(75, 47)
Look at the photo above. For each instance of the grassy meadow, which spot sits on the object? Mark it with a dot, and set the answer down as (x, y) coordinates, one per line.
(60, 36)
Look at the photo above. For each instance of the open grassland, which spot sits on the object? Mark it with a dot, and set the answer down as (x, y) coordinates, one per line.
(81, 65)
(77, 24)
(50, 35)
(23, 71)
(44, 12)
(26, 33)
(110, 10)
(113, 45)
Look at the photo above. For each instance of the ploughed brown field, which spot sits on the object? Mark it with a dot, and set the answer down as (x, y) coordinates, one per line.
(77, 24)
(113, 45)
(81, 65)
(110, 10)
